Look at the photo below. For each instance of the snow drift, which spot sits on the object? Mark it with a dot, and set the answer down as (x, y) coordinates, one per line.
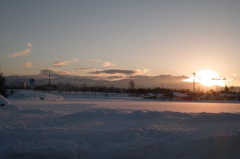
(3, 101)
(35, 95)
(116, 128)
(107, 134)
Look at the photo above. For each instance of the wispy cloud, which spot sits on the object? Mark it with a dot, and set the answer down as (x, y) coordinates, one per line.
(115, 71)
(107, 64)
(28, 64)
(22, 53)
(60, 63)
(87, 69)
(104, 64)
(114, 78)
(97, 60)
(64, 63)
(29, 45)
(143, 72)
(54, 72)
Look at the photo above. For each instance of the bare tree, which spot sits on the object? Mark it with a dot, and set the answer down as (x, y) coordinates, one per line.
(226, 90)
(131, 86)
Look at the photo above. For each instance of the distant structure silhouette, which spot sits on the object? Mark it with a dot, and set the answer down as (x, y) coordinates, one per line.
(194, 82)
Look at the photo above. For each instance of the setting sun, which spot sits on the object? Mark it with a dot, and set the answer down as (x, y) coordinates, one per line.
(208, 78)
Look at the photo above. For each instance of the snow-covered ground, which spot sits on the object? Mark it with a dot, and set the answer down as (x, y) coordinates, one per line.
(72, 126)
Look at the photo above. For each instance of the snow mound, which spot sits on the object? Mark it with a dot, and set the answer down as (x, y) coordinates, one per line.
(3, 101)
(37, 130)
(35, 95)
(11, 108)
(215, 117)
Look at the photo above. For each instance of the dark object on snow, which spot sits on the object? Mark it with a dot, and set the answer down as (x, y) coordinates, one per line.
(2, 85)
(41, 97)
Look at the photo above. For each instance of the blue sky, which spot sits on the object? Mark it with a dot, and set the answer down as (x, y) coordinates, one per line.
(147, 37)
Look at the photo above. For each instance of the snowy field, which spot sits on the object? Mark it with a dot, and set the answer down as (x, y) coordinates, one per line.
(77, 126)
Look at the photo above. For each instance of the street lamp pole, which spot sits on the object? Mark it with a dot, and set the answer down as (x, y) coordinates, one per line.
(194, 82)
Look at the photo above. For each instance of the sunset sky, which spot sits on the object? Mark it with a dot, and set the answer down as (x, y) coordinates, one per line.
(127, 37)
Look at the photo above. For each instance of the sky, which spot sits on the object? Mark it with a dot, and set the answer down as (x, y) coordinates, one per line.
(120, 38)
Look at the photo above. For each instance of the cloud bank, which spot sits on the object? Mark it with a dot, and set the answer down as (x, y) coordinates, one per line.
(141, 81)
(54, 72)
(22, 53)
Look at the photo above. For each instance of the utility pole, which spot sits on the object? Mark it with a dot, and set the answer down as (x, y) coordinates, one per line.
(84, 88)
(194, 82)
(49, 79)
(49, 82)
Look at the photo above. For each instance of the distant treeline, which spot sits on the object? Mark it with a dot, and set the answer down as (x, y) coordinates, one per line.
(70, 88)
(131, 90)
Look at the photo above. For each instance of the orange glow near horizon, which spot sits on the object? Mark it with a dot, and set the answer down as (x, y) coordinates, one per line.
(208, 78)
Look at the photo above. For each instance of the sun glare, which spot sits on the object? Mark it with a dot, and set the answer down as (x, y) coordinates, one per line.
(207, 78)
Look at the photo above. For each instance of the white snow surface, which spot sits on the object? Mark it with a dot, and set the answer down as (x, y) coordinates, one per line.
(117, 127)
(35, 95)
(179, 94)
